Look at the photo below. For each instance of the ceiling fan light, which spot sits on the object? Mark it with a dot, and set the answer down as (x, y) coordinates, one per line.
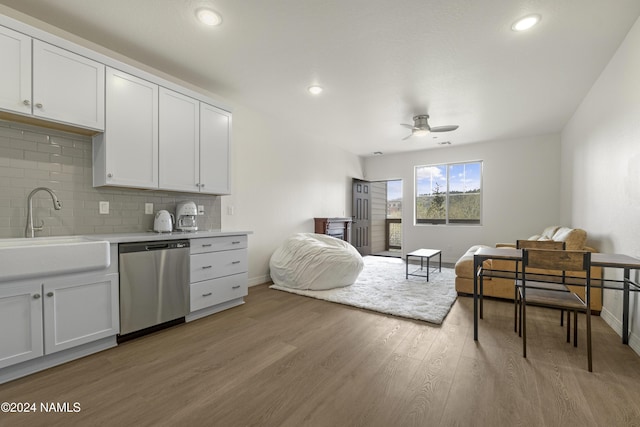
(315, 90)
(421, 132)
(208, 17)
(525, 23)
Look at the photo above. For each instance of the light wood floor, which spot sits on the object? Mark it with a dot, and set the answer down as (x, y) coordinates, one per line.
(288, 360)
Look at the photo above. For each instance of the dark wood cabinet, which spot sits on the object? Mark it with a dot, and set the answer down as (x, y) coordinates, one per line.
(335, 227)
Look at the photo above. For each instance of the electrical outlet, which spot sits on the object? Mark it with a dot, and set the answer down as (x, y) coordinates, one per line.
(148, 208)
(200, 209)
(104, 208)
(230, 210)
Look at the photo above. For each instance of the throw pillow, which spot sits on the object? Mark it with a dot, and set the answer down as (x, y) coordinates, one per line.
(574, 238)
(550, 231)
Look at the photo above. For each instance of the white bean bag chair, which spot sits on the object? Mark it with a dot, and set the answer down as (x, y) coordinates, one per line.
(315, 262)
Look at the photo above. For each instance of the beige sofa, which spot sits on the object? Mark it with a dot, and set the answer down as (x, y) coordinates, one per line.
(499, 287)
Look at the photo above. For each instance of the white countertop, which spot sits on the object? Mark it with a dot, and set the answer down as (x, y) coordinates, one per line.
(147, 236)
(153, 236)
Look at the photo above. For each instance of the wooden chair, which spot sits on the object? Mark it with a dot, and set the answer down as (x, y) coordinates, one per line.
(531, 291)
(539, 244)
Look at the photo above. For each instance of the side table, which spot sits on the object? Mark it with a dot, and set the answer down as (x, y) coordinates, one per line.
(423, 254)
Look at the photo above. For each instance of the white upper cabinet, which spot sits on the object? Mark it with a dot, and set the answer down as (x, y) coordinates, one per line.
(48, 82)
(194, 145)
(147, 132)
(15, 72)
(67, 87)
(179, 142)
(126, 154)
(215, 133)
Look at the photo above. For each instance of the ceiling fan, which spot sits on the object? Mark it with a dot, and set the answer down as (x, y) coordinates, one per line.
(421, 126)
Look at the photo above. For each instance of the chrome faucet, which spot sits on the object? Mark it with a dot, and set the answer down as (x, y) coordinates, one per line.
(30, 229)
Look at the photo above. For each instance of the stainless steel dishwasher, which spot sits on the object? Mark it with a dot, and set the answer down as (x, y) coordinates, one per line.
(154, 285)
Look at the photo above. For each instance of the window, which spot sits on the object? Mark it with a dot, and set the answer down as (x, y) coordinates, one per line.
(394, 199)
(449, 193)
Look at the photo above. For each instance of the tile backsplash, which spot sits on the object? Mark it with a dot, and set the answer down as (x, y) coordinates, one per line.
(32, 156)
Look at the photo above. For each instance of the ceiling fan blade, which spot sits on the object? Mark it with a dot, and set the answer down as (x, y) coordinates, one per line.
(407, 137)
(407, 126)
(444, 128)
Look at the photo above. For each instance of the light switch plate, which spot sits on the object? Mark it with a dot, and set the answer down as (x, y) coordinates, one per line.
(200, 209)
(148, 208)
(104, 208)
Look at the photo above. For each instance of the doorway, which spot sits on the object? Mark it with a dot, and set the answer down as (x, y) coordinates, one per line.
(377, 211)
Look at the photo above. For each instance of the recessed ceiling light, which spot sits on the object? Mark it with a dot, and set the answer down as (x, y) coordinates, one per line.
(208, 17)
(525, 23)
(315, 90)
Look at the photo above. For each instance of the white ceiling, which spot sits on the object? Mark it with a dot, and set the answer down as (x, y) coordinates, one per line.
(380, 61)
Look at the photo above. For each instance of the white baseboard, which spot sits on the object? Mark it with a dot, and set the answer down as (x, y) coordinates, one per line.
(255, 281)
(41, 363)
(213, 309)
(616, 325)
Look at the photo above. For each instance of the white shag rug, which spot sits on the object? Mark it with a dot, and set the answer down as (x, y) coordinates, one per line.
(382, 287)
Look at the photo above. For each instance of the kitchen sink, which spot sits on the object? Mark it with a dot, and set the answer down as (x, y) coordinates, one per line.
(27, 258)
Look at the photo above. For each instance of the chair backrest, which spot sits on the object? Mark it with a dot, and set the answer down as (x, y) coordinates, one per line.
(559, 260)
(540, 244)
(550, 259)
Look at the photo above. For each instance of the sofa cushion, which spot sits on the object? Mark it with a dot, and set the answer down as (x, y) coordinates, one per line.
(574, 238)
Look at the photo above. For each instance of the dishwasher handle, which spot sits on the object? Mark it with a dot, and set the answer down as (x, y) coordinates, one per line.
(124, 248)
(156, 247)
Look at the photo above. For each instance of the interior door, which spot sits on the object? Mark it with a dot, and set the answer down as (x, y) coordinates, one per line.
(361, 227)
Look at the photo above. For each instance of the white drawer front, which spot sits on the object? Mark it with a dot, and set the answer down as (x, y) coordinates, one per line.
(215, 244)
(216, 291)
(218, 264)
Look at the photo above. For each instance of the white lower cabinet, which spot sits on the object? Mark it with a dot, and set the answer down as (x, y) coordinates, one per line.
(219, 278)
(20, 323)
(79, 311)
(217, 291)
(41, 317)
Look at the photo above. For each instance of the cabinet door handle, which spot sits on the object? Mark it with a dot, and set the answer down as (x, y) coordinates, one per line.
(109, 175)
(237, 242)
(26, 102)
(208, 245)
(38, 105)
(208, 294)
(49, 294)
(235, 262)
(36, 296)
(235, 287)
(207, 266)
(201, 185)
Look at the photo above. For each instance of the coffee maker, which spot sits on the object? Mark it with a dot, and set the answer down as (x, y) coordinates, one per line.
(186, 213)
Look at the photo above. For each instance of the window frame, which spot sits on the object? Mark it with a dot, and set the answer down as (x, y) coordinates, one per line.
(447, 221)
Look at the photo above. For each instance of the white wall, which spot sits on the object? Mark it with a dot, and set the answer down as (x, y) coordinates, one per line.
(520, 192)
(280, 182)
(601, 180)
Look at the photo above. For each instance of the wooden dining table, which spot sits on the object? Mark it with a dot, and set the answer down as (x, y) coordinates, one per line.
(604, 260)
